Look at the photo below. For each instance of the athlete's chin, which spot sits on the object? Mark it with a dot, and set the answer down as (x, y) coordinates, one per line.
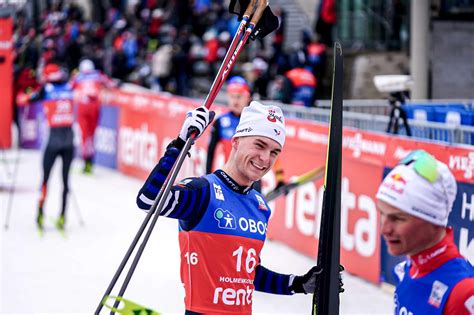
(395, 250)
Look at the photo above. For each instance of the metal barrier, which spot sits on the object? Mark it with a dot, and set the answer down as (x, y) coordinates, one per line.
(452, 134)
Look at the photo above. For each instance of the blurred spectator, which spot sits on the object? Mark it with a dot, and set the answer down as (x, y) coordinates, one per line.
(261, 78)
(279, 37)
(297, 87)
(316, 59)
(325, 21)
(159, 44)
(27, 50)
(161, 67)
(211, 45)
(24, 83)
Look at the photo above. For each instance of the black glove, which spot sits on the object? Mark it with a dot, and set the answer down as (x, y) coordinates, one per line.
(307, 283)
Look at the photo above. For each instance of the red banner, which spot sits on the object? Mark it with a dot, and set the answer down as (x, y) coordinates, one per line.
(147, 124)
(296, 218)
(6, 86)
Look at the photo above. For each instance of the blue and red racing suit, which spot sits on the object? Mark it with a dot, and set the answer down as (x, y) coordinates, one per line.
(222, 228)
(436, 281)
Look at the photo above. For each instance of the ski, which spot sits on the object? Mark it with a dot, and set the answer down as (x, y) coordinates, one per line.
(326, 294)
(127, 307)
(296, 182)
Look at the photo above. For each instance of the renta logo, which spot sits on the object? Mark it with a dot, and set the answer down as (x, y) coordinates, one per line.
(230, 296)
(138, 147)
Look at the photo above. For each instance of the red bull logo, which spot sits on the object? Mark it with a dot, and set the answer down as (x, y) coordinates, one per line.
(395, 183)
(398, 178)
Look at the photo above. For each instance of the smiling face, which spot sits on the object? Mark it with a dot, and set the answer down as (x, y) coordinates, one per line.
(405, 234)
(251, 158)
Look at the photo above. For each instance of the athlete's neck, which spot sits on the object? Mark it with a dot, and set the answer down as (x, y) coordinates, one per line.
(231, 183)
(431, 258)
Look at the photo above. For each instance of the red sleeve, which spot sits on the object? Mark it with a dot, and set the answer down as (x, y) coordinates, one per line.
(461, 299)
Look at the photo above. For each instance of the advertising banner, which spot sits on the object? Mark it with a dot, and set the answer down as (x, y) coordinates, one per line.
(33, 126)
(148, 122)
(105, 138)
(147, 125)
(296, 217)
(6, 86)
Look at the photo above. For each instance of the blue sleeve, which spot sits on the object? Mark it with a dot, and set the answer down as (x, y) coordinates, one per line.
(271, 282)
(186, 201)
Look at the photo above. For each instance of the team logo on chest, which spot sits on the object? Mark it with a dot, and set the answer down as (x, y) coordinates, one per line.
(261, 203)
(437, 292)
(225, 219)
(218, 192)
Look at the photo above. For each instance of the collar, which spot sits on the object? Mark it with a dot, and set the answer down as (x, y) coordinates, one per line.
(232, 184)
(433, 257)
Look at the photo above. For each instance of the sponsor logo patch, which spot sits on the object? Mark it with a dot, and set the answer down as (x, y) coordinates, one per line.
(261, 203)
(218, 192)
(248, 129)
(273, 117)
(437, 292)
(225, 219)
(469, 304)
(396, 183)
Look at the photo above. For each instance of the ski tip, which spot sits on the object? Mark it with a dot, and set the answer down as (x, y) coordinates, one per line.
(338, 48)
(127, 307)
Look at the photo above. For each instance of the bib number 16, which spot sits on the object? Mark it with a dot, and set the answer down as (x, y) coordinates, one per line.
(250, 260)
(191, 258)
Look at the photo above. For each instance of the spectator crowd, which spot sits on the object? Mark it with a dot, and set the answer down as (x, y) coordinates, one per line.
(164, 46)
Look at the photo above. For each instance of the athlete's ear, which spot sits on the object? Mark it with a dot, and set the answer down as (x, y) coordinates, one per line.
(235, 142)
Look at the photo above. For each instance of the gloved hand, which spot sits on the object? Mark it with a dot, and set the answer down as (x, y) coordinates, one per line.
(307, 283)
(196, 121)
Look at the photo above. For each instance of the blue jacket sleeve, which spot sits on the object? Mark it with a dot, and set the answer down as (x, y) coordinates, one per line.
(186, 201)
(271, 282)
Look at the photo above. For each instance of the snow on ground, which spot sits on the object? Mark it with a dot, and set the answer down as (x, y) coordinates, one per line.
(57, 275)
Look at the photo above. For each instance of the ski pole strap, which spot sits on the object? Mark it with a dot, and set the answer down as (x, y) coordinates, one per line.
(129, 307)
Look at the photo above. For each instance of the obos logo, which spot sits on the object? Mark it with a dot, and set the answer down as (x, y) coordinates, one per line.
(225, 219)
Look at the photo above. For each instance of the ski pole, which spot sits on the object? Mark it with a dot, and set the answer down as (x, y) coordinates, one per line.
(160, 203)
(78, 209)
(12, 191)
(214, 89)
(168, 182)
